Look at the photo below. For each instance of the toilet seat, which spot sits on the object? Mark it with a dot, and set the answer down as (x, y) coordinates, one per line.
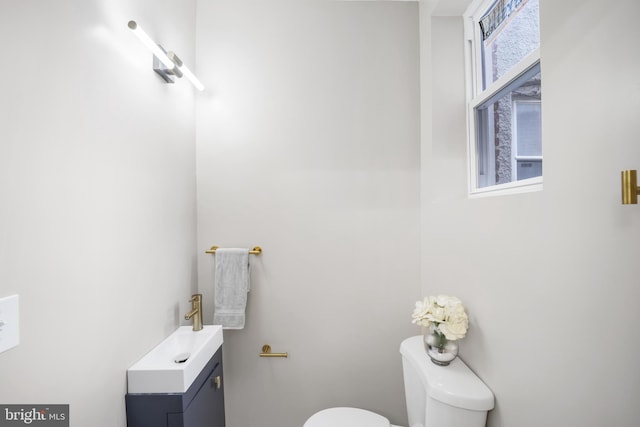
(346, 417)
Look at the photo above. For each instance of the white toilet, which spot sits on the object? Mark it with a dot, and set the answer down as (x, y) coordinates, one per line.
(437, 396)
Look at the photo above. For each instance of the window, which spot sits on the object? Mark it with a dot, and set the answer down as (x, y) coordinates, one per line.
(504, 95)
(527, 159)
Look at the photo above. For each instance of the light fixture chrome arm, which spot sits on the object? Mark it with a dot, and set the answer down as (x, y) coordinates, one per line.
(186, 71)
(166, 64)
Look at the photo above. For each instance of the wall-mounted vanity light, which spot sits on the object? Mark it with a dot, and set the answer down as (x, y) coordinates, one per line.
(630, 189)
(166, 64)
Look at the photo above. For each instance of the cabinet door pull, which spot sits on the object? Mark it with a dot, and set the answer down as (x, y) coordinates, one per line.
(218, 381)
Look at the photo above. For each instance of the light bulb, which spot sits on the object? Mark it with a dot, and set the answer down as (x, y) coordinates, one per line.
(151, 45)
(193, 79)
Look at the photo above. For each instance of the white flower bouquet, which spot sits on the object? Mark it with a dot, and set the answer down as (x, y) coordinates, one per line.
(445, 313)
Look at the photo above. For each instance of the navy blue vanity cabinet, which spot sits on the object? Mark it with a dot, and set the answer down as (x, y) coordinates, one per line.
(201, 406)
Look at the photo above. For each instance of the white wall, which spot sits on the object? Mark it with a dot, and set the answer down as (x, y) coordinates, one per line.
(550, 278)
(308, 145)
(97, 190)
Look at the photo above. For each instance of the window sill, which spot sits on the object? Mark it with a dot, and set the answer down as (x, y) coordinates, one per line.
(516, 187)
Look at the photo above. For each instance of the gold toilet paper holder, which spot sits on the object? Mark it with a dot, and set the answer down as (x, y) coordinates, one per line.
(266, 352)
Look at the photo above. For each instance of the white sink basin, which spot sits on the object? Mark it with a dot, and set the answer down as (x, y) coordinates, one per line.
(173, 365)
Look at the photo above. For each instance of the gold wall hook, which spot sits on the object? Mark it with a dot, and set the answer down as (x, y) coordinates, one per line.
(266, 352)
(630, 189)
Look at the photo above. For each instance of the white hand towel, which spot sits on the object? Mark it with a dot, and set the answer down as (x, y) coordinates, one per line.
(232, 282)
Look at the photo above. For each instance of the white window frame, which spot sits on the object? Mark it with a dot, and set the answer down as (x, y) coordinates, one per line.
(476, 96)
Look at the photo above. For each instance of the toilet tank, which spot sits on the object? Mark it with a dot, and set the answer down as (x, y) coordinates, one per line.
(442, 396)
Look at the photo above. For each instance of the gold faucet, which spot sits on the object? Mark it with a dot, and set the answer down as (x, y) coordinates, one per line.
(196, 312)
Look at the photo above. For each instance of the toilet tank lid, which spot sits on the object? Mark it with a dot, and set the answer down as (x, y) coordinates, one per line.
(346, 417)
(455, 385)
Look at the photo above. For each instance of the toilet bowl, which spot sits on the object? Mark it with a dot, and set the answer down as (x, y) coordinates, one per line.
(347, 417)
(437, 396)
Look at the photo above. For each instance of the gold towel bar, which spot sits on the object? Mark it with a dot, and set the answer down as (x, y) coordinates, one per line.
(266, 352)
(257, 250)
